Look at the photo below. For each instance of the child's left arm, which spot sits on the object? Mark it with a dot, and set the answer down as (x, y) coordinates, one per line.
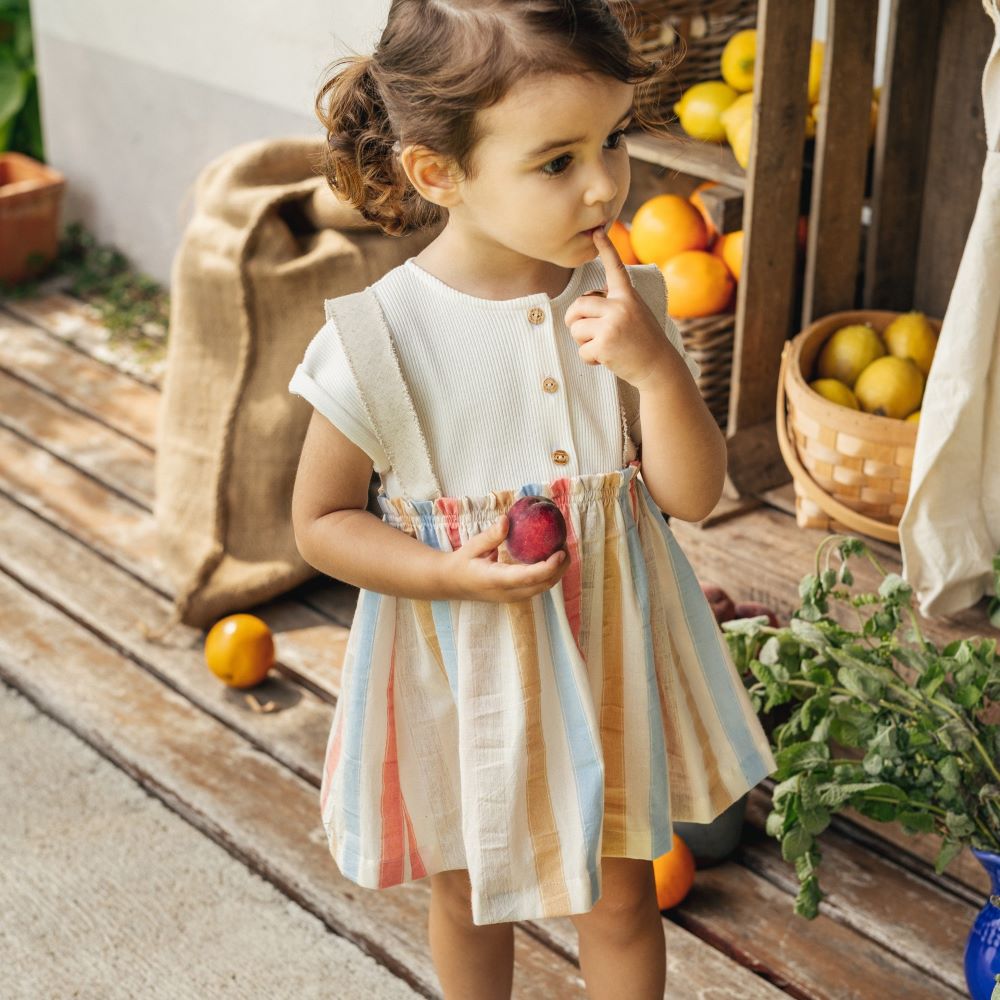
(683, 448)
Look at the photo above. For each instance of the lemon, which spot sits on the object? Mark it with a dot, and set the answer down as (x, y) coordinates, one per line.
(836, 392)
(815, 71)
(848, 352)
(741, 140)
(700, 109)
(736, 114)
(890, 387)
(911, 336)
(914, 417)
(738, 59)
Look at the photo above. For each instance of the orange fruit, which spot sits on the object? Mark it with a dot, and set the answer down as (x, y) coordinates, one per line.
(695, 200)
(239, 650)
(729, 247)
(622, 242)
(698, 284)
(665, 225)
(674, 874)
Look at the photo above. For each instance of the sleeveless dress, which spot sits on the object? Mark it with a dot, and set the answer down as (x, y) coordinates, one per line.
(525, 741)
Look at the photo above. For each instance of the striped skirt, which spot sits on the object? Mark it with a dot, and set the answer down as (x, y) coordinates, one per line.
(525, 741)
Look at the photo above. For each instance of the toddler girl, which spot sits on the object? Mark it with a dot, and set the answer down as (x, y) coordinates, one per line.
(523, 735)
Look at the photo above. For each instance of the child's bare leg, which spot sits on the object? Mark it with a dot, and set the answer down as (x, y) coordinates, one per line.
(472, 962)
(622, 948)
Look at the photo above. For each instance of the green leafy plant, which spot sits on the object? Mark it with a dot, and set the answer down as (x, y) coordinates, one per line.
(918, 712)
(20, 120)
(132, 306)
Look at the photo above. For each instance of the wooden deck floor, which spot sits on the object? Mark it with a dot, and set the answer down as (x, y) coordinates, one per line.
(79, 575)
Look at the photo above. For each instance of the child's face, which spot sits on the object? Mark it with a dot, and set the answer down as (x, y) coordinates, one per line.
(540, 204)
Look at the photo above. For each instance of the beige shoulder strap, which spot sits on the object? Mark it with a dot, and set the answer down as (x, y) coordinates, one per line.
(371, 355)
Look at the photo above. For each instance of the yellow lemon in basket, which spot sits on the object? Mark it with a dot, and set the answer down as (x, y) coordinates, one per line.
(914, 417)
(815, 71)
(848, 352)
(836, 392)
(738, 59)
(700, 109)
(911, 336)
(890, 387)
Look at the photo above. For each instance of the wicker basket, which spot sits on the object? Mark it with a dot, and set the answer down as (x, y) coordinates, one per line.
(710, 342)
(850, 469)
(691, 34)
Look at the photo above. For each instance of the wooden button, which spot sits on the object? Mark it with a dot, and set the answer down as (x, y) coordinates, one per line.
(550, 385)
(560, 457)
(536, 315)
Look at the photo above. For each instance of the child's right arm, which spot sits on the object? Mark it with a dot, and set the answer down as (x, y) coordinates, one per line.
(336, 535)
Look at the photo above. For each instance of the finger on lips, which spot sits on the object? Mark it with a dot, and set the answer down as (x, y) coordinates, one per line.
(614, 270)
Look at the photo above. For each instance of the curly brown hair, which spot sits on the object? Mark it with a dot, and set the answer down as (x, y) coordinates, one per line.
(436, 64)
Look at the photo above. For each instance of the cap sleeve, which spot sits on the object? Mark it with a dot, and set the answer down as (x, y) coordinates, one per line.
(648, 281)
(324, 379)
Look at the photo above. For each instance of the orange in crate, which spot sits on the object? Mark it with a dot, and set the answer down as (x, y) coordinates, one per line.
(698, 284)
(674, 874)
(664, 226)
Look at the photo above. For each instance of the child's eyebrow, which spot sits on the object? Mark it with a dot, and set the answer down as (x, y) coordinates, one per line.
(568, 142)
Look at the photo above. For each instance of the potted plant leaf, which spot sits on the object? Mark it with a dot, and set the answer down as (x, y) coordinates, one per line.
(923, 718)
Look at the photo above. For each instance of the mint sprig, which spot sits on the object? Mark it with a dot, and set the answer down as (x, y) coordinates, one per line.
(930, 759)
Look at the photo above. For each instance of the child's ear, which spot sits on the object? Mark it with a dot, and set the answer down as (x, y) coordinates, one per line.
(432, 174)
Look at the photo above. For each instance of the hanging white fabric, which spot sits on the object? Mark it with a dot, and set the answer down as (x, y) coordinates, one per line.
(950, 529)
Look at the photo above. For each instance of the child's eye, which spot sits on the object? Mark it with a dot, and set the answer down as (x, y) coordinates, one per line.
(560, 163)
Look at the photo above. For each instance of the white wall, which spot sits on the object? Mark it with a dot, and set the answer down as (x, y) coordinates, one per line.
(138, 96)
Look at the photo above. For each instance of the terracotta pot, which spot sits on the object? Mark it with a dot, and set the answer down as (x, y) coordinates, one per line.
(30, 197)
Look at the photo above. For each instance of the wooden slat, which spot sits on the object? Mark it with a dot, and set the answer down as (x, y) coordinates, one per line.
(820, 958)
(79, 381)
(870, 893)
(78, 324)
(956, 152)
(677, 150)
(838, 184)
(901, 139)
(765, 295)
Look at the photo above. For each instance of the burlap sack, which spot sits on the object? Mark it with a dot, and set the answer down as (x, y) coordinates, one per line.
(268, 242)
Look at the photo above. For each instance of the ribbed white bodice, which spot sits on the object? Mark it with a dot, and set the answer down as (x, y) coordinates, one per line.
(497, 384)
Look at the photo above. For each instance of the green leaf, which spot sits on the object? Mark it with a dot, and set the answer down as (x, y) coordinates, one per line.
(796, 842)
(950, 849)
(949, 770)
(803, 756)
(959, 825)
(914, 821)
(815, 820)
(860, 684)
(808, 899)
(968, 696)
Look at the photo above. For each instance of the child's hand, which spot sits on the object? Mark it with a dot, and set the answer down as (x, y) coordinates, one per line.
(478, 575)
(616, 328)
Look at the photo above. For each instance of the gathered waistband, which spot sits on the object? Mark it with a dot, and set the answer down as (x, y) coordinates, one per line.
(568, 491)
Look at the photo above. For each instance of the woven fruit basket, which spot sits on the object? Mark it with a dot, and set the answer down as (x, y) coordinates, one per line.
(691, 34)
(850, 469)
(709, 340)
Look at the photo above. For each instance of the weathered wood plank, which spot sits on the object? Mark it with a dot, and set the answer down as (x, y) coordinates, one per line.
(838, 184)
(79, 381)
(918, 922)
(765, 295)
(820, 958)
(88, 445)
(956, 152)
(78, 324)
(900, 159)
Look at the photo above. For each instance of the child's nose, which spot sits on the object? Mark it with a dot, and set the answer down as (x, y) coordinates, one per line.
(601, 186)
